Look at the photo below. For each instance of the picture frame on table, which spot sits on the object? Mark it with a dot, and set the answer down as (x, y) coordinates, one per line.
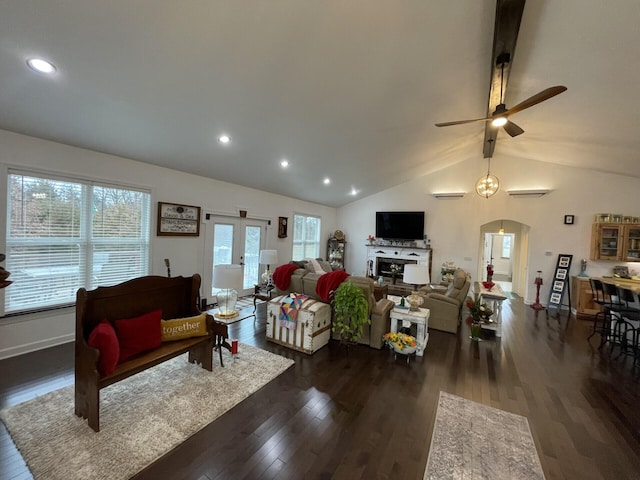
(178, 220)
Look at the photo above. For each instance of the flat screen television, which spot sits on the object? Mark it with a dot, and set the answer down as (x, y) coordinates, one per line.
(400, 225)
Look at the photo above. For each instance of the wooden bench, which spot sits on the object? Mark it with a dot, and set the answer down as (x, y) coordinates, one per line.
(177, 297)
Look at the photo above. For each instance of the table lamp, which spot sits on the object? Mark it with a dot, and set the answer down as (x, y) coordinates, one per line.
(228, 278)
(268, 258)
(416, 275)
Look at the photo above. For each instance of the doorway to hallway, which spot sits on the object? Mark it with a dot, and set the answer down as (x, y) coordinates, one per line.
(507, 251)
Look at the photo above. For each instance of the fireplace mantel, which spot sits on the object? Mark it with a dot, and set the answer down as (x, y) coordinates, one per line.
(421, 256)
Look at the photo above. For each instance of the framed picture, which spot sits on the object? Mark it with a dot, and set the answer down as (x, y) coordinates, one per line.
(178, 220)
(564, 262)
(555, 298)
(561, 274)
(282, 227)
(558, 285)
(568, 219)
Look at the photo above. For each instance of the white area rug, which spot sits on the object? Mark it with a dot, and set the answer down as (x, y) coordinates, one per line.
(141, 418)
(473, 441)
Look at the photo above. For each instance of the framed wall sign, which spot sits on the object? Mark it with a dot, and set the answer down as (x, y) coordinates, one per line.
(568, 219)
(178, 220)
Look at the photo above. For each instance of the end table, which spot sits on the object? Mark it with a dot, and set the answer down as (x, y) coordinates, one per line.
(262, 292)
(419, 318)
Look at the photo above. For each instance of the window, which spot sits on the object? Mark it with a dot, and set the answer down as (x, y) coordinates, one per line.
(306, 237)
(63, 235)
(506, 246)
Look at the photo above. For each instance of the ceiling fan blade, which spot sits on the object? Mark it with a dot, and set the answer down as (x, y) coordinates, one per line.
(460, 122)
(537, 98)
(512, 129)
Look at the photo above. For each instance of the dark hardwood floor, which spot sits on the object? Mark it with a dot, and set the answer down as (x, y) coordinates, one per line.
(362, 414)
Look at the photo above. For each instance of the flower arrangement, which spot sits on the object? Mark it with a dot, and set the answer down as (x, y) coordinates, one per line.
(371, 239)
(478, 312)
(399, 341)
(395, 269)
(447, 271)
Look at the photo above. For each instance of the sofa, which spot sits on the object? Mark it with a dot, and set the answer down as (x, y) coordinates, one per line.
(304, 281)
(445, 305)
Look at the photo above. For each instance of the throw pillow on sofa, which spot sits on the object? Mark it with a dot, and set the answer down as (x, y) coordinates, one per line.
(139, 334)
(180, 328)
(103, 337)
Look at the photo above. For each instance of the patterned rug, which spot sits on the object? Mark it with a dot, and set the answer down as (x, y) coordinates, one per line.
(474, 441)
(141, 418)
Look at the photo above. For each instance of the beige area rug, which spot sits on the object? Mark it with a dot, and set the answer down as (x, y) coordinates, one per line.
(141, 418)
(474, 441)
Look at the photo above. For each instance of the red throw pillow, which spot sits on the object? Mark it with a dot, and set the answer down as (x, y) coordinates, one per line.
(139, 334)
(103, 337)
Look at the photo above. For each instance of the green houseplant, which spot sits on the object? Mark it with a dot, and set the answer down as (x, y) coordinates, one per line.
(351, 312)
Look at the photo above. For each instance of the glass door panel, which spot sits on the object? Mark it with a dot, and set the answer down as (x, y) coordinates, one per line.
(234, 241)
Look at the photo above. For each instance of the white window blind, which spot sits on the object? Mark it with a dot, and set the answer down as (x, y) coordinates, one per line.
(306, 237)
(63, 235)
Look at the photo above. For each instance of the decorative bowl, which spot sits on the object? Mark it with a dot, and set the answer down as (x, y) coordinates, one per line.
(405, 350)
(488, 285)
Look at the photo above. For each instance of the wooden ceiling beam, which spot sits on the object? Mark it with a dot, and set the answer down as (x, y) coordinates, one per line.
(505, 35)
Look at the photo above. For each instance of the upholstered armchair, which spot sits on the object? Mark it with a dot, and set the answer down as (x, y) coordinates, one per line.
(446, 305)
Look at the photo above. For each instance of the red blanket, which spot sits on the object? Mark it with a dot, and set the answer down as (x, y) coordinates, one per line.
(282, 275)
(328, 282)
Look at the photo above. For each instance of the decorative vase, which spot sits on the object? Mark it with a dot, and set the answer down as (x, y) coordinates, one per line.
(475, 331)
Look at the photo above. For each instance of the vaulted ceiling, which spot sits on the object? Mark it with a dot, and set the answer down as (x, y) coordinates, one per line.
(345, 90)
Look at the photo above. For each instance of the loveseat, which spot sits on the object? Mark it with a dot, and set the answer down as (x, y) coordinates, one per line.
(446, 305)
(305, 282)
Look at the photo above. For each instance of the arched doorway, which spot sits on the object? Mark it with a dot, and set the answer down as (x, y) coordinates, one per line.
(507, 251)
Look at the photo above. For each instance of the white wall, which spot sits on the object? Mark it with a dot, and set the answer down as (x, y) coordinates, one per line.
(31, 332)
(454, 225)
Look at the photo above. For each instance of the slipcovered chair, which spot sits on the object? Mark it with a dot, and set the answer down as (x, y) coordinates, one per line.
(446, 307)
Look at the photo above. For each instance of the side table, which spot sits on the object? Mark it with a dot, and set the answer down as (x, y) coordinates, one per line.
(262, 292)
(419, 318)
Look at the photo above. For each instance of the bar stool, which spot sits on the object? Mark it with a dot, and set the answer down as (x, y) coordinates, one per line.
(625, 323)
(605, 295)
(598, 298)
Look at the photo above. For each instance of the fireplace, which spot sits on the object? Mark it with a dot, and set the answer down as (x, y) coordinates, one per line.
(384, 266)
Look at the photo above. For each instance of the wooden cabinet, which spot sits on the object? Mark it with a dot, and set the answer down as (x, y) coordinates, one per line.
(615, 241)
(335, 253)
(582, 297)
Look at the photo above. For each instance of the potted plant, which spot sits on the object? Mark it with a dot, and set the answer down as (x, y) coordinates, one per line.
(479, 313)
(351, 312)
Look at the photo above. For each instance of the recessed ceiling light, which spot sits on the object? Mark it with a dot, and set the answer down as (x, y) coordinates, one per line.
(224, 139)
(284, 163)
(327, 181)
(354, 192)
(40, 65)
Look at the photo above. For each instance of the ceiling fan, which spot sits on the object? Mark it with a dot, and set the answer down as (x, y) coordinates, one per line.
(500, 116)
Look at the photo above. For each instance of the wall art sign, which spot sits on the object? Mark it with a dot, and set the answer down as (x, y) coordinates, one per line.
(560, 282)
(178, 220)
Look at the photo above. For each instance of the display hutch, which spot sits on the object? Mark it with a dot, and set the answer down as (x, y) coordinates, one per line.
(335, 252)
(616, 241)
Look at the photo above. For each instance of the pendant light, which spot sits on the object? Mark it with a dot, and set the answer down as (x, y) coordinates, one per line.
(488, 185)
(501, 231)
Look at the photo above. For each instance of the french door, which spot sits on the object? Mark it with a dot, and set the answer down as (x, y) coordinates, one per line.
(232, 240)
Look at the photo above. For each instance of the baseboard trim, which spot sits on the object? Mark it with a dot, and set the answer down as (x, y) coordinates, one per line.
(34, 346)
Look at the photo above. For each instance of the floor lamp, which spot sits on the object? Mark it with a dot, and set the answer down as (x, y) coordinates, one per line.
(228, 278)
(268, 258)
(417, 275)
